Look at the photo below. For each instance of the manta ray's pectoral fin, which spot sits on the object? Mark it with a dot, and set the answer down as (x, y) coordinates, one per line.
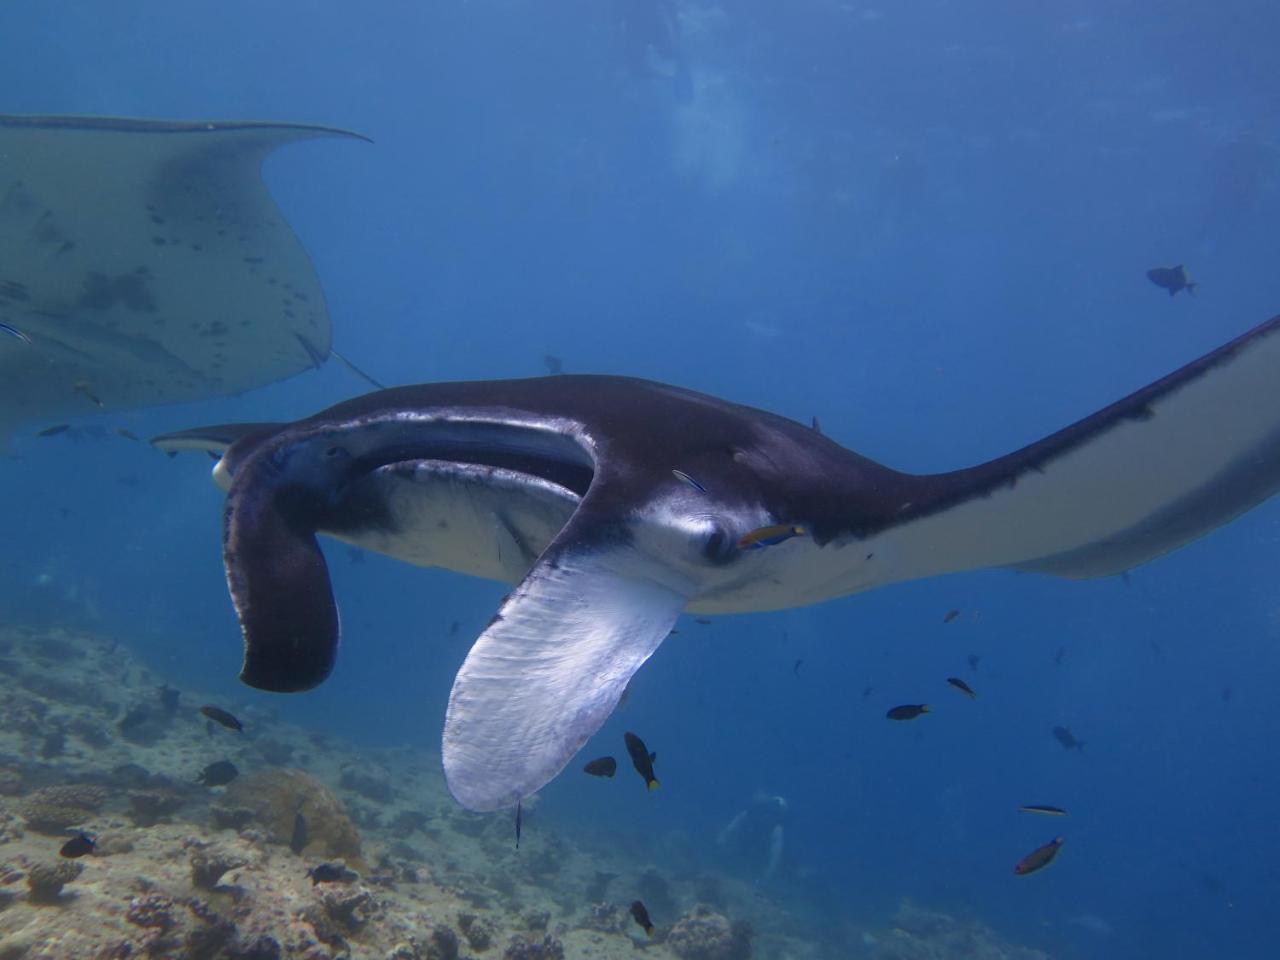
(552, 665)
(279, 584)
(1139, 478)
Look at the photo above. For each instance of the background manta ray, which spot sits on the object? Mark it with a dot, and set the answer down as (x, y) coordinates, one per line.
(612, 527)
(144, 262)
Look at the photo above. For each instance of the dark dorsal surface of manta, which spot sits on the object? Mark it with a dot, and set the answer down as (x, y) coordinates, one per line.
(577, 489)
(144, 262)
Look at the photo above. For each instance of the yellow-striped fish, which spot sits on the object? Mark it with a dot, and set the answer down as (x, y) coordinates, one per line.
(769, 536)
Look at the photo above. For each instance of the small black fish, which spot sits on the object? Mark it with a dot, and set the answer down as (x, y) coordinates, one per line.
(962, 687)
(332, 873)
(817, 427)
(1044, 809)
(554, 365)
(642, 758)
(642, 917)
(218, 715)
(127, 434)
(1060, 655)
(974, 660)
(866, 691)
(795, 667)
(1038, 858)
(519, 817)
(298, 839)
(453, 628)
(950, 615)
(82, 386)
(603, 767)
(1067, 739)
(78, 846)
(702, 621)
(218, 774)
(1172, 279)
(54, 430)
(908, 711)
(686, 479)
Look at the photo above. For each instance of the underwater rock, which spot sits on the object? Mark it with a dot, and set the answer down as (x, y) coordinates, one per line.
(537, 920)
(53, 809)
(148, 807)
(348, 907)
(46, 880)
(408, 821)
(274, 798)
(368, 780)
(606, 918)
(703, 934)
(520, 948)
(920, 934)
(208, 866)
(275, 752)
(477, 930)
(152, 912)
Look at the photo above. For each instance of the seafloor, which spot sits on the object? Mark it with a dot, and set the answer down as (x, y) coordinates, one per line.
(91, 739)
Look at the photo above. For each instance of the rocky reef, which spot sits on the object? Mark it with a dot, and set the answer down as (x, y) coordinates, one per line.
(319, 850)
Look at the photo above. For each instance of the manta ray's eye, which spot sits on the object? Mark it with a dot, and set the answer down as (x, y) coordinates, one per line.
(335, 453)
(717, 544)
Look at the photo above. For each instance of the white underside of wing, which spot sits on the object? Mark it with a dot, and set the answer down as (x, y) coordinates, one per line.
(1134, 490)
(483, 521)
(551, 667)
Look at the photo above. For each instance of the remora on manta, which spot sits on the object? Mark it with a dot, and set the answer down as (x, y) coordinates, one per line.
(614, 504)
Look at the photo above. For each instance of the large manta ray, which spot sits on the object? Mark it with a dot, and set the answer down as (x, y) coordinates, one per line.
(614, 504)
(144, 262)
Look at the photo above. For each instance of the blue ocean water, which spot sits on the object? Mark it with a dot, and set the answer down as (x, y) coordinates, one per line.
(926, 223)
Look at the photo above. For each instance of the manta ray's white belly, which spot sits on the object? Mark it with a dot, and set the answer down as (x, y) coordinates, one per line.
(484, 521)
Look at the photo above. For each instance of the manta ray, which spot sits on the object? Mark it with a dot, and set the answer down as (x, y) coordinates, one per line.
(614, 504)
(144, 262)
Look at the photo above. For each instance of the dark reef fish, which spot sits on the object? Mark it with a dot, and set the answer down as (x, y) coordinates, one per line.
(128, 434)
(642, 759)
(218, 774)
(336, 872)
(1172, 279)
(908, 711)
(602, 767)
(1038, 858)
(974, 660)
(1065, 737)
(950, 615)
(54, 430)
(78, 846)
(1044, 809)
(962, 687)
(298, 839)
(218, 715)
(641, 916)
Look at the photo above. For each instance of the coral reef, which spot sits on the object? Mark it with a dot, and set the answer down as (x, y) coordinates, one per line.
(46, 880)
(703, 934)
(211, 873)
(273, 799)
(920, 934)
